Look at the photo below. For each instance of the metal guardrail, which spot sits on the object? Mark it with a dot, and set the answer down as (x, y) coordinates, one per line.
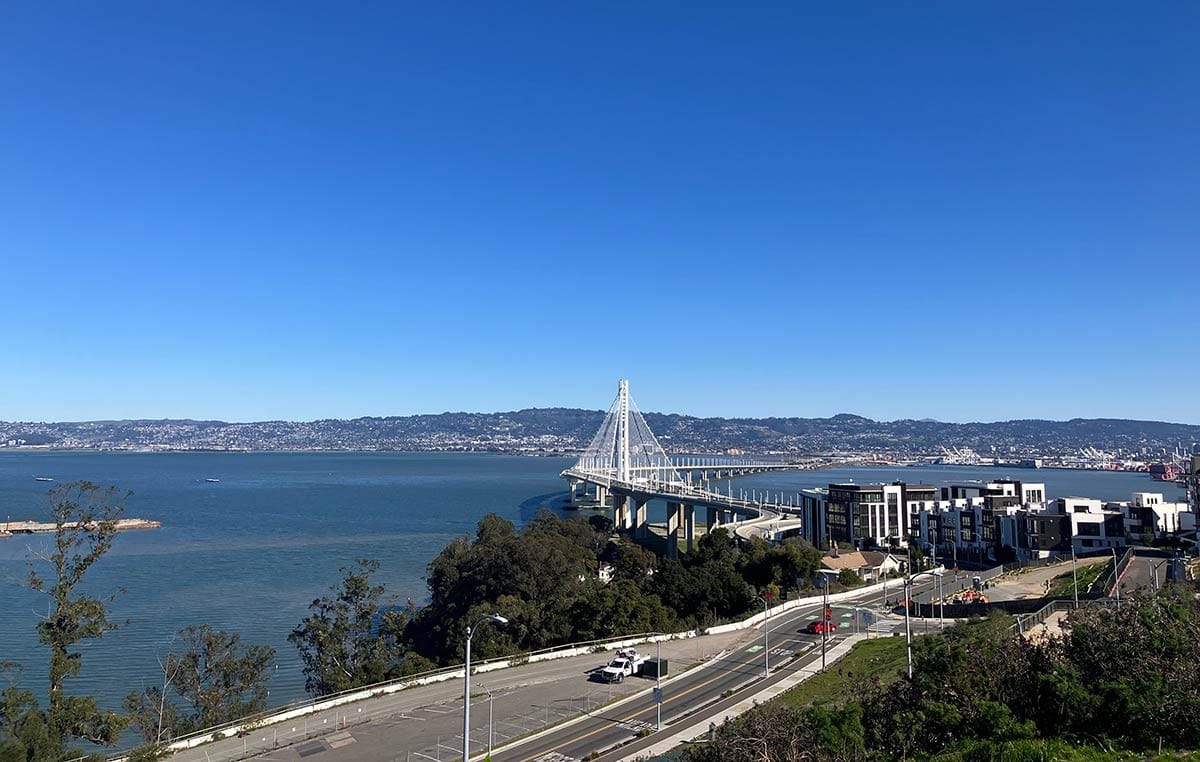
(1037, 617)
(1110, 582)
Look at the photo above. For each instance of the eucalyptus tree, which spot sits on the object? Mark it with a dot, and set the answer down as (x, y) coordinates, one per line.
(85, 524)
(217, 677)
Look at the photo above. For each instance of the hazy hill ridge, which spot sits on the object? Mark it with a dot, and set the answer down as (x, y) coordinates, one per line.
(566, 429)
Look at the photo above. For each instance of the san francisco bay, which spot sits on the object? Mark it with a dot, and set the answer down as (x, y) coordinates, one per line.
(249, 552)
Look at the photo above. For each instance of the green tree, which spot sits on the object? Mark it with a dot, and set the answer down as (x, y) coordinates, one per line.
(630, 561)
(24, 731)
(218, 678)
(847, 578)
(348, 640)
(1141, 666)
(85, 525)
(777, 733)
(534, 578)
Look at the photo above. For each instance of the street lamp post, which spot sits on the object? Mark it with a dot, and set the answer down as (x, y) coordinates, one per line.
(908, 583)
(489, 693)
(1074, 574)
(1116, 577)
(658, 683)
(825, 618)
(766, 640)
(467, 682)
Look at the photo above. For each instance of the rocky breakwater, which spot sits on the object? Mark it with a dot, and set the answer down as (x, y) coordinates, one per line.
(9, 528)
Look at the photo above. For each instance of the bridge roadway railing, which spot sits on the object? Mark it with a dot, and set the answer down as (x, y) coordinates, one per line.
(673, 490)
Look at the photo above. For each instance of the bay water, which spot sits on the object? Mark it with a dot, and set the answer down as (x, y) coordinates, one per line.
(249, 552)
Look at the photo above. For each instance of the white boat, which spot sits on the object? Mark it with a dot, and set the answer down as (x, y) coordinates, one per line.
(43, 478)
(214, 481)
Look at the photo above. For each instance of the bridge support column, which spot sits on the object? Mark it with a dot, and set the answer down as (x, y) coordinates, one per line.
(714, 518)
(689, 526)
(620, 512)
(572, 492)
(639, 517)
(674, 518)
(601, 496)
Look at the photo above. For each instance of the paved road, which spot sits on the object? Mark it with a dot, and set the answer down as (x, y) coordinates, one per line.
(426, 723)
(740, 668)
(1139, 573)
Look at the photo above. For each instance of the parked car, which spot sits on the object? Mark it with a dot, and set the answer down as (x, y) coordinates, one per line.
(817, 627)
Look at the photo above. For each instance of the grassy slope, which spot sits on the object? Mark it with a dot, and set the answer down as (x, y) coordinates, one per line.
(882, 659)
(1063, 585)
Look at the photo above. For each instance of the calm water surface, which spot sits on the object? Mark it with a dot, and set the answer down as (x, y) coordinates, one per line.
(250, 552)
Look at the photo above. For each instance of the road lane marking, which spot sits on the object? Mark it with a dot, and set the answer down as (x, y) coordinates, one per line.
(633, 717)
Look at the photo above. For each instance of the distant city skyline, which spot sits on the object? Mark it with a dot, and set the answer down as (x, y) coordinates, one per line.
(978, 212)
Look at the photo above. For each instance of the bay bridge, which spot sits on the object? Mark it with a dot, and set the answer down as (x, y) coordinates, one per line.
(625, 466)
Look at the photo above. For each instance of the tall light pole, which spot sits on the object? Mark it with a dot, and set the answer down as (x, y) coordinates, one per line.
(658, 682)
(467, 682)
(766, 640)
(1116, 577)
(908, 583)
(825, 617)
(1074, 574)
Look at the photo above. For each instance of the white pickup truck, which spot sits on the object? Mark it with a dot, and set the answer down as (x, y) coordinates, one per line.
(626, 662)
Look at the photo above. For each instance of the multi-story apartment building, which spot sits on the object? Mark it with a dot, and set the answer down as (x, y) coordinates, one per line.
(985, 522)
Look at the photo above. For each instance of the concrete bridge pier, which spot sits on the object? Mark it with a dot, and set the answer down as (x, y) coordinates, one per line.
(714, 518)
(674, 518)
(689, 526)
(680, 518)
(601, 496)
(572, 491)
(621, 512)
(639, 517)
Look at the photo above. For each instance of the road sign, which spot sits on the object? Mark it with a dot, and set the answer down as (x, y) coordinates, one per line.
(658, 695)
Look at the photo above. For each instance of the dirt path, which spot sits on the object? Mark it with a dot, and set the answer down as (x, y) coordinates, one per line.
(1032, 584)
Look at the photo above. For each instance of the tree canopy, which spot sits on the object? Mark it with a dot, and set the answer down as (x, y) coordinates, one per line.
(216, 676)
(1117, 679)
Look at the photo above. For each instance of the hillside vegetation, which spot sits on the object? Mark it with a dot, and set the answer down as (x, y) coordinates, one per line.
(1120, 684)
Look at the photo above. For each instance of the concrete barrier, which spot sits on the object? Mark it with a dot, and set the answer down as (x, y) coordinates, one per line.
(285, 714)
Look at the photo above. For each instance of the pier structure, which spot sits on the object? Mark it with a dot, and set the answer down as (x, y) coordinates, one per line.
(8, 528)
(624, 467)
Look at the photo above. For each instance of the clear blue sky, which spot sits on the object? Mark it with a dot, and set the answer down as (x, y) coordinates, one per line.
(965, 211)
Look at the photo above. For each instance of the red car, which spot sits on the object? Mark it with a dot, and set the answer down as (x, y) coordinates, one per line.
(817, 627)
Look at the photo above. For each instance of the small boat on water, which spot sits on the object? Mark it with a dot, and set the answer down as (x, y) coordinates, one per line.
(212, 481)
(43, 478)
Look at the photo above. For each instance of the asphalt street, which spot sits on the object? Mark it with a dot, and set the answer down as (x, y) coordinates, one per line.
(582, 715)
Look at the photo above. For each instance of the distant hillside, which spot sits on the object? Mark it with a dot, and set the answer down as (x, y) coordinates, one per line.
(564, 429)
